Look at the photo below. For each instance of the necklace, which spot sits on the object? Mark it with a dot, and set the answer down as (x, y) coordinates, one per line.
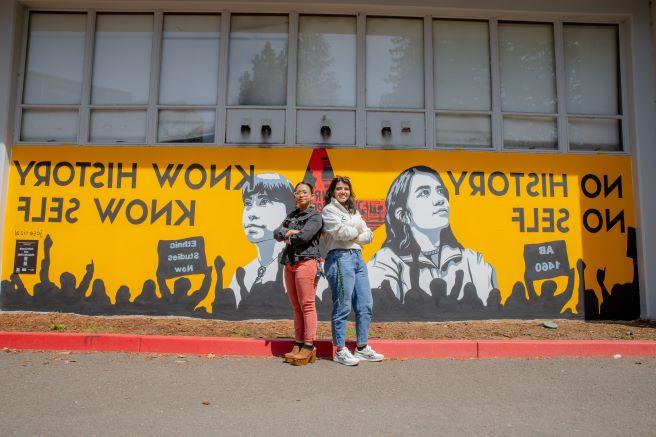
(261, 270)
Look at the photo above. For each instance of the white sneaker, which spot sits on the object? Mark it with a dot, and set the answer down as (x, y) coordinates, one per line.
(368, 354)
(344, 356)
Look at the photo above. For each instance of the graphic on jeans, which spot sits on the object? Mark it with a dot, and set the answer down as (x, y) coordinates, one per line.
(519, 237)
(347, 274)
(346, 234)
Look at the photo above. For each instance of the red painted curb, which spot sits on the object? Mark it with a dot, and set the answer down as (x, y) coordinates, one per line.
(426, 348)
(563, 348)
(64, 341)
(276, 347)
(206, 345)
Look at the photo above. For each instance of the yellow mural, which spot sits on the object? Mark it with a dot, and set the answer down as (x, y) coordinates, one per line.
(134, 214)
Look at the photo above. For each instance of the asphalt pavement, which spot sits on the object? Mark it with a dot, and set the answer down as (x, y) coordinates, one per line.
(106, 394)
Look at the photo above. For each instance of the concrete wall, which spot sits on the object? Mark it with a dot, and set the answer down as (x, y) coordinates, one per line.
(644, 152)
(11, 19)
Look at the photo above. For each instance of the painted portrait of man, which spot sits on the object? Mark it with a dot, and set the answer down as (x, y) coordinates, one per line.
(267, 201)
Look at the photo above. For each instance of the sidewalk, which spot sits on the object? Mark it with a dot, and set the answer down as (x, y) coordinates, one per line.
(160, 395)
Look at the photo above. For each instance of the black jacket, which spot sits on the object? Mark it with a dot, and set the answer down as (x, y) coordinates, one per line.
(305, 244)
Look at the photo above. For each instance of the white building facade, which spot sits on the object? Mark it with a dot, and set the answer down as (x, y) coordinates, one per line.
(502, 81)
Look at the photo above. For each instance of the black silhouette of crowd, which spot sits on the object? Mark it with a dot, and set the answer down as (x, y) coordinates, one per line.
(269, 300)
(70, 297)
(622, 302)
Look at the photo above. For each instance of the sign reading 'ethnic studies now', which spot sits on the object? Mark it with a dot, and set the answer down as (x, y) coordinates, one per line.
(181, 257)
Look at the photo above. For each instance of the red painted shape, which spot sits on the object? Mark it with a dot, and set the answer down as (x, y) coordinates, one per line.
(372, 211)
(320, 172)
(563, 348)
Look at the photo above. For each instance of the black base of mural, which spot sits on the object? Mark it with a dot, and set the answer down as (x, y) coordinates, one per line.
(419, 305)
(622, 302)
(269, 300)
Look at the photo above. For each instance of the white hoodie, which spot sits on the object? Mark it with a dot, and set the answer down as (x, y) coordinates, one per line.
(340, 228)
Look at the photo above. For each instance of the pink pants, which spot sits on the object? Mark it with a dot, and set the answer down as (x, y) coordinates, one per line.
(301, 281)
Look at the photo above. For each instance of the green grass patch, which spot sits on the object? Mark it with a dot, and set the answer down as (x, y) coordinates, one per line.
(242, 333)
(56, 326)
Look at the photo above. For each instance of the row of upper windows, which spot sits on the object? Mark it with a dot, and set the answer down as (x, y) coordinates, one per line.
(528, 108)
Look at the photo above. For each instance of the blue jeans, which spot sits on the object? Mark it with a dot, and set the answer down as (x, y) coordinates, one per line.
(347, 275)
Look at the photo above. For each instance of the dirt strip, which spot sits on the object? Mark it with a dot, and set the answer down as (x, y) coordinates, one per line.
(469, 330)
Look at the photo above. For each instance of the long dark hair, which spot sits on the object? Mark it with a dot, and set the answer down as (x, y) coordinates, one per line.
(399, 235)
(350, 203)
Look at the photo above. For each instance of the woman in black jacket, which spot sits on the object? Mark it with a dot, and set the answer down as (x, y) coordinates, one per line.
(300, 231)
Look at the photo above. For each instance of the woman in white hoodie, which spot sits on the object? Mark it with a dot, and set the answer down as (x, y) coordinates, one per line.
(344, 234)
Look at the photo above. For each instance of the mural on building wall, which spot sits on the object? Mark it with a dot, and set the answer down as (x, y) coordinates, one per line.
(457, 235)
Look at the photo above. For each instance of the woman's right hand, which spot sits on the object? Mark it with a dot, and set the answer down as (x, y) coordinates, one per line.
(290, 233)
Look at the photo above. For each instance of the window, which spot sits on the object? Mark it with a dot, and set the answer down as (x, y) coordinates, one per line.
(326, 61)
(394, 63)
(593, 93)
(364, 81)
(190, 60)
(53, 76)
(121, 65)
(117, 126)
(528, 85)
(121, 77)
(55, 59)
(45, 126)
(461, 80)
(188, 126)
(258, 60)
(189, 77)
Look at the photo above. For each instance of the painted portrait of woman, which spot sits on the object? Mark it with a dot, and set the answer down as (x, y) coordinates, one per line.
(420, 245)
